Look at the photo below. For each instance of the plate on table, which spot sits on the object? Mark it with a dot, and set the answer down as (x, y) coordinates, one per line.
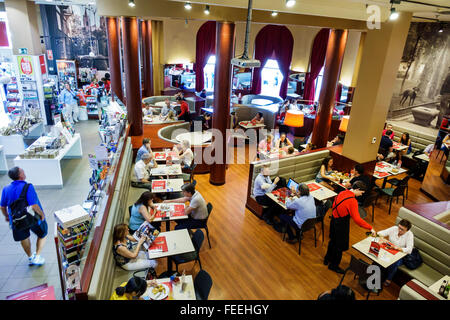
(159, 292)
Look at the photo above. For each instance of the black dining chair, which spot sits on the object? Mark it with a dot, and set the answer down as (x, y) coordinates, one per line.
(359, 268)
(204, 222)
(370, 200)
(202, 285)
(392, 193)
(321, 212)
(197, 241)
(306, 226)
(396, 182)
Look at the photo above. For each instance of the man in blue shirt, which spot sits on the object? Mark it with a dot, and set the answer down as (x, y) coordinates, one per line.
(70, 105)
(145, 148)
(11, 193)
(304, 207)
(261, 186)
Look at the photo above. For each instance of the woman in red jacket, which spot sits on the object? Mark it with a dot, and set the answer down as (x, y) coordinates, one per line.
(184, 113)
(345, 206)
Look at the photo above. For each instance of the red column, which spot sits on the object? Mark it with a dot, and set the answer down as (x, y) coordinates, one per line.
(332, 70)
(222, 91)
(146, 27)
(114, 56)
(130, 39)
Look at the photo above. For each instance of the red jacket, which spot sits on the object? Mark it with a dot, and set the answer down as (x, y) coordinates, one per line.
(184, 108)
(347, 207)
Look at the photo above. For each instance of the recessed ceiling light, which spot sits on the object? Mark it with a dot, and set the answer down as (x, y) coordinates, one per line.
(290, 3)
(131, 3)
(206, 10)
(274, 13)
(188, 6)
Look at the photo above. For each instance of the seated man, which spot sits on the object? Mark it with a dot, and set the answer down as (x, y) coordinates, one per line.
(200, 123)
(339, 139)
(145, 148)
(402, 239)
(304, 207)
(388, 127)
(196, 211)
(147, 111)
(358, 175)
(141, 176)
(429, 149)
(261, 186)
(203, 94)
(166, 108)
(386, 145)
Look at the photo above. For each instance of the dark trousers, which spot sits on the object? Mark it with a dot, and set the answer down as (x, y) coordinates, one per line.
(189, 223)
(289, 221)
(264, 200)
(334, 254)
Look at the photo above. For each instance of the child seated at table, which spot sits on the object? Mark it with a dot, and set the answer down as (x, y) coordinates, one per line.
(123, 254)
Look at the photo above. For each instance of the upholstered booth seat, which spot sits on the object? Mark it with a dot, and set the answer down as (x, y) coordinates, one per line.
(433, 242)
(248, 99)
(248, 112)
(415, 290)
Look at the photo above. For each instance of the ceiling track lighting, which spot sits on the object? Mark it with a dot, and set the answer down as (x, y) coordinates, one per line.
(394, 14)
(290, 3)
(188, 6)
(206, 9)
(131, 3)
(274, 13)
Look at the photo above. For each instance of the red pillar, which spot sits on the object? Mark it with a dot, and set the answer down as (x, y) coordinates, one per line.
(114, 56)
(222, 91)
(146, 27)
(332, 70)
(130, 38)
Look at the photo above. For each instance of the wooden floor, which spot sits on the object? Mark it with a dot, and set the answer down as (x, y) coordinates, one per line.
(248, 259)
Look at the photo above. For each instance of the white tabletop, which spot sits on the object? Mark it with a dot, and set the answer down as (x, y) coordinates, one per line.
(171, 185)
(397, 146)
(171, 209)
(249, 125)
(387, 168)
(435, 286)
(162, 170)
(261, 102)
(195, 138)
(162, 155)
(175, 292)
(423, 156)
(322, 193)
(163, 103)
(385, 258)
(178, 242)
(157, 120)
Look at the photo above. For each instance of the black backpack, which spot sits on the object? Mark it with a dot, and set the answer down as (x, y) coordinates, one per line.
(413, 260)
(21, 218)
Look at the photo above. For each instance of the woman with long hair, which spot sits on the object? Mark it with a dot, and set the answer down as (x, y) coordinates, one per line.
(143, 210)
(325, 172)
(131, 290)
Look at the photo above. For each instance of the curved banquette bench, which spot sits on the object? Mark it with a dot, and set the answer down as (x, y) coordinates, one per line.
(301, 168)
(416, 290)
(170, 132)
(433, 242)
(247, 99)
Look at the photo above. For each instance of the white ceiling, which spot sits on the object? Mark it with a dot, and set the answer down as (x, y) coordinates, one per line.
(347, 9)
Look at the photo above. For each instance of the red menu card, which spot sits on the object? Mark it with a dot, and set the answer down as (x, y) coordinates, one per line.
(388, 247)
(160, 156)
(381, 165)
(159, 243)
(381, 174)
(159, 185)
(313, 187)
(374, 248)
(178, 210)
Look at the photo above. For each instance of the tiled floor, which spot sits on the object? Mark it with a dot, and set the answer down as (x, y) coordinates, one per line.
(15, 274)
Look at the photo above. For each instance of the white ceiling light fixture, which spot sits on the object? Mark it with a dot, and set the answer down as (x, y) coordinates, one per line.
(290, 3)
(131, 3)
(274, 13)
(206, 9)
(394, 14)
(188, 6)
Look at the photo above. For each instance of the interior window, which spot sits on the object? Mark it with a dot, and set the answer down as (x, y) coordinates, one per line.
(271, 78)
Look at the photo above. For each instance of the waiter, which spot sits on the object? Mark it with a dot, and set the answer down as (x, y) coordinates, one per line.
(345, 206)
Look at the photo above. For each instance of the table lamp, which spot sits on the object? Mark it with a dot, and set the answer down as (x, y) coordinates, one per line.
(344, 123)
(293, 118)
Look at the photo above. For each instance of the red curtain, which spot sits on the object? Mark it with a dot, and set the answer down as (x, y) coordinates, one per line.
(205, 47)
(318, 52)
(3, 35)
(277, 42)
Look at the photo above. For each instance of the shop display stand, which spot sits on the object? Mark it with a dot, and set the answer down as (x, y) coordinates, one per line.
(13, 96)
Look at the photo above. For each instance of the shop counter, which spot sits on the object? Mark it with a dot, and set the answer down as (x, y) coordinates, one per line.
(14, 145)
(47, 173)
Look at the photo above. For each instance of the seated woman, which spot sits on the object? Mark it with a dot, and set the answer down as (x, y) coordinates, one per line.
(143, 210)
(310, 147)
(280, 119)
(131, 290)
(124, 257)
(258, 119)
(446, 144)
(339, 139)
(186, 156)
(283, 142)
(325, 172)
(402, 239)
(405, 140)
(265, 146)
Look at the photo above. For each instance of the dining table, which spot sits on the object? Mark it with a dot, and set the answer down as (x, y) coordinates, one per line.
(386, 256)
(166, 170)
(166, 212)
(167, 185)
(171, 243)
(397, 146)
(195, 138)
(161, 104)
(383, 170)
(177, 290)
(161, 156)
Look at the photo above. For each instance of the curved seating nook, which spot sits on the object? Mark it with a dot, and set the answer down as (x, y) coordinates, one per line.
(433, 242)
(152, 100)
(169, 133)
(247, 99)
(248, 112)
(301, 168)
